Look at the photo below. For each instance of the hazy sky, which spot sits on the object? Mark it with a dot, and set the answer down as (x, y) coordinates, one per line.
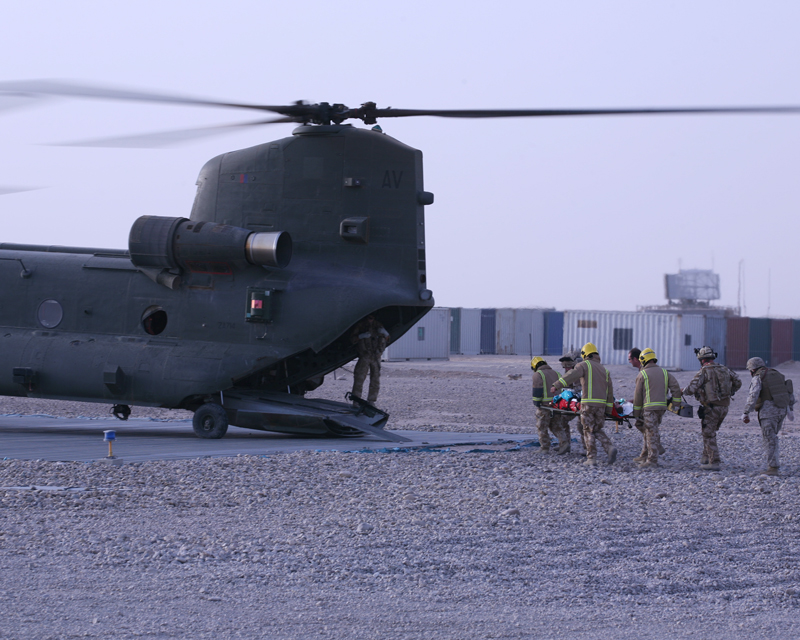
(569, 213)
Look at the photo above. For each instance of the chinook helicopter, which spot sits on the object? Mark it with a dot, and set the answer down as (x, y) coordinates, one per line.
(237, 311)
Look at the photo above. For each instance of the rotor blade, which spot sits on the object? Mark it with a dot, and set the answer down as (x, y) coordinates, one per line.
(56, 88)
(539, 113)
(166, 138)
(4, 191)
(17, 100)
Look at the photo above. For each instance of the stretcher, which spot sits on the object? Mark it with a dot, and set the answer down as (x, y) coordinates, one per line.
(618, 420)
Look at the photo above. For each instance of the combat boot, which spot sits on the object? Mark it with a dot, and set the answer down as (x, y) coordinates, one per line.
(648, 465)
(612, 455)
(590, 461)
(641, 457)
(564, 448)
(711, 466)
(544, 450)
(770, 471)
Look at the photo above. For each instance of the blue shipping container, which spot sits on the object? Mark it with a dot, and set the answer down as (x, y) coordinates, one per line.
(796, 339)
(717, 336)
(455, 330)
(553, 333)
(488, 335)
(760, 336)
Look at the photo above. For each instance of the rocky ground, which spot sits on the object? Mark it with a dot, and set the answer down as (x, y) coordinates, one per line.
(451, 544)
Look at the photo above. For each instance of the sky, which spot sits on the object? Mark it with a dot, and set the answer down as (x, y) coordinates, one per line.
(569, 213)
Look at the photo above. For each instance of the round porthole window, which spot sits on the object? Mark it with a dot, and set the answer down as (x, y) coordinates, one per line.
(50, 314)
(154, 320)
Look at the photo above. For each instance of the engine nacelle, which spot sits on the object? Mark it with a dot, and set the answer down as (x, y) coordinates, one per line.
(157, 242)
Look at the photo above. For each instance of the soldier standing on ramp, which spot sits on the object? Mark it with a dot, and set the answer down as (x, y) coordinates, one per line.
(772, 396)
(713, 386)
(370, 338)
(650, 404)
(597, 401)
(545, 377)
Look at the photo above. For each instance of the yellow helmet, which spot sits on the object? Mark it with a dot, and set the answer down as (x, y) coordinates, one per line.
(646, 356)
(587, 350)
(538, 360)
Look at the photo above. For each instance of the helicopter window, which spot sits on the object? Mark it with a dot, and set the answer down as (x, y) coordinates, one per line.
(154, 320)
(50, 314)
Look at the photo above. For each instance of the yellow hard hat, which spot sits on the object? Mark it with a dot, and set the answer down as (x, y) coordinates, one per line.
(646, 356)
(588, 349)
(537, 361)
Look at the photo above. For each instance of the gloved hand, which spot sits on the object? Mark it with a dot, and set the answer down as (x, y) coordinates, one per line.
(639, 423)
(537, 403)
(790, 415)
(745, 418)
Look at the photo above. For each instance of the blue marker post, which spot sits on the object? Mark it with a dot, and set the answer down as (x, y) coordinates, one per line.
(109, 436)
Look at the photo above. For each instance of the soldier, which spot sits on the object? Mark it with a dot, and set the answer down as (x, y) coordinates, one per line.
(568, 362)
(370, 338)
(650, 403)
(772, 395)
(713, 386)
(596, 402)
(543, 378)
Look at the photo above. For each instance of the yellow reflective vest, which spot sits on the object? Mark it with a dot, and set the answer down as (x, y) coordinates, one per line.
(652, 386)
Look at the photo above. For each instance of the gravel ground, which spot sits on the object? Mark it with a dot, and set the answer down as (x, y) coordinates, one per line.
(449, 544)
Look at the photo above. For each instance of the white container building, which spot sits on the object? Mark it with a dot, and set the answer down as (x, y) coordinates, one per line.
(672, 336)
(428, 339)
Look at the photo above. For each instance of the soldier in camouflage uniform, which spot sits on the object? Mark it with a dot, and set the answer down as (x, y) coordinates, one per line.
(596, 402)
(772, 396)
(713, 386)
(370, 338)
(653, 386)
(543, 378)
(568, 362)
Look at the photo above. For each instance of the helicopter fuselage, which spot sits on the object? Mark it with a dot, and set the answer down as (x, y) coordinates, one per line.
(187, 312)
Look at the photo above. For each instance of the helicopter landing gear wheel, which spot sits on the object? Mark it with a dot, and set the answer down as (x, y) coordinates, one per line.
(210, 421)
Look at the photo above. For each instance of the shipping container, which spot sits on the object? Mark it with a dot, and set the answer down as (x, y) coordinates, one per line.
(488, 330)
(428, 339)
(737, 344)
(528, 332)
(781, 350)
(455, 330)
(691, 336)
(760, 344)
(616, 333)
(716, 336)
(553, 333)
(796, 340)
(504, 332)
(470, 332)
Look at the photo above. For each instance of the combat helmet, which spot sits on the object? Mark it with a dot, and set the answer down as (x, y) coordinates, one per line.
(648, 355)
(705, 353)
(571, 356)
(753, 364)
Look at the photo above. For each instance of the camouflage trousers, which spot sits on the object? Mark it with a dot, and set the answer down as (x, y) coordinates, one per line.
(373, 367)
(710, 425)
(593, 419)
(565, 420)
(651, 435)
(547, 422)
(771, 420)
